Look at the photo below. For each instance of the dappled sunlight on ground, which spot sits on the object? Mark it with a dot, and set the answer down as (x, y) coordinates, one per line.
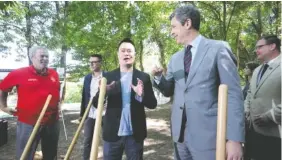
(157, 145)
(159, 125)
(150, 141)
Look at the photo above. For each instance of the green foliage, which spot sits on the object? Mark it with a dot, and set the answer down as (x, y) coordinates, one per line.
(25, 24)
(73, 93)
(83, 28)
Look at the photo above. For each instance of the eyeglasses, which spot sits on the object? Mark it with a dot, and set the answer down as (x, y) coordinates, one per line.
(260, 46)
(94, 62)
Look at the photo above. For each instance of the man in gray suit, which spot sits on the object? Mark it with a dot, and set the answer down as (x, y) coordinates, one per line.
(263, 102)
(193, 77)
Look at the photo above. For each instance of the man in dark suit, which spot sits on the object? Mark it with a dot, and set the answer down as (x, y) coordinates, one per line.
(128, 92)
(90, 88)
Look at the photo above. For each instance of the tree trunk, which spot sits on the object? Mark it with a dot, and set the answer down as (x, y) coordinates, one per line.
(63, 26)
(64, 46)
(259, 31)
(129, 22)
(28, 30)
(224, 21)
(238, 47)
(259, 22)
(277, 13)
(162, 52)
(141, 55)
(258, 26)
(230, 17)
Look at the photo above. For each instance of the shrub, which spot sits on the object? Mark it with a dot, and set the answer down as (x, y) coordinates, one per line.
(73, 93)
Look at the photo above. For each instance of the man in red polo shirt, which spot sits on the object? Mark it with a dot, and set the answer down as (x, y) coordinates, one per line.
(34, 84)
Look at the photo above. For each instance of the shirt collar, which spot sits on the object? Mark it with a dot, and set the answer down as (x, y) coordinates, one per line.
(100, 76)
(195, 43)
(33, 70)
(272, 61)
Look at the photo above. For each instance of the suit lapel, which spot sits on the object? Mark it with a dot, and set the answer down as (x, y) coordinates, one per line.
(88, 84)
(179, 73)
(254, 80)
(116, 77)
(134, 81)
(200, 54)
(267, 73)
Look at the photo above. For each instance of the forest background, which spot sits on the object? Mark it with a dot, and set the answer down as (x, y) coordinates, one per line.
(80, 29)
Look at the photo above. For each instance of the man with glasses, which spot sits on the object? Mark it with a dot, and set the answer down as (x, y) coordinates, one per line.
(90, 88)
(263, 102)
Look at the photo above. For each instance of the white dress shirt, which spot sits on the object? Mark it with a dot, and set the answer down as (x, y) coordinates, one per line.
(94, 87)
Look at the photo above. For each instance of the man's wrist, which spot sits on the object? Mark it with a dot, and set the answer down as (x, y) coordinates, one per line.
(139, 98)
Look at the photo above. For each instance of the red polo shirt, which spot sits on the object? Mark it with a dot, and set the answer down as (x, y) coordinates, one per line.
(33, 90)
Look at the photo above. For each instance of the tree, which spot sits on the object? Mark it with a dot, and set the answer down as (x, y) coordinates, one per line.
(26, 24)
(83, 28)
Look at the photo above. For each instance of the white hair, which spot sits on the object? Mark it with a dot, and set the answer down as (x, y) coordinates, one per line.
(33, 50)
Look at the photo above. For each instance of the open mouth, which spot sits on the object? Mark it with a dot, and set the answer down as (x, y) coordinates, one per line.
(44, 63)
(127, 58)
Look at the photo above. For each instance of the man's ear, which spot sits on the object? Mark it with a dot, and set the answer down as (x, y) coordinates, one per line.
(188, 23)
(272, 46)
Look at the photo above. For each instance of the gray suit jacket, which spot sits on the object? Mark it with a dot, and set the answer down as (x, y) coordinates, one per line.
(264, 98)
(213, 65)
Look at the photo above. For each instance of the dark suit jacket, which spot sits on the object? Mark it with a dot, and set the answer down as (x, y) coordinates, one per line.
(86, 93)
(245, 90)
(111, 121)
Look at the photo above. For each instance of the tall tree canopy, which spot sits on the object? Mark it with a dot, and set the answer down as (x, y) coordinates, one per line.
(83, 28)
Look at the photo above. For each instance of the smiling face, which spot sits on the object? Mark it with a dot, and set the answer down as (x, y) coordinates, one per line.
(264, 50)
(126, 54)
(180, 32)
(40, 59)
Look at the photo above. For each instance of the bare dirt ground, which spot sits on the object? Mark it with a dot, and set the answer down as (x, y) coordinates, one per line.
(157, 146)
